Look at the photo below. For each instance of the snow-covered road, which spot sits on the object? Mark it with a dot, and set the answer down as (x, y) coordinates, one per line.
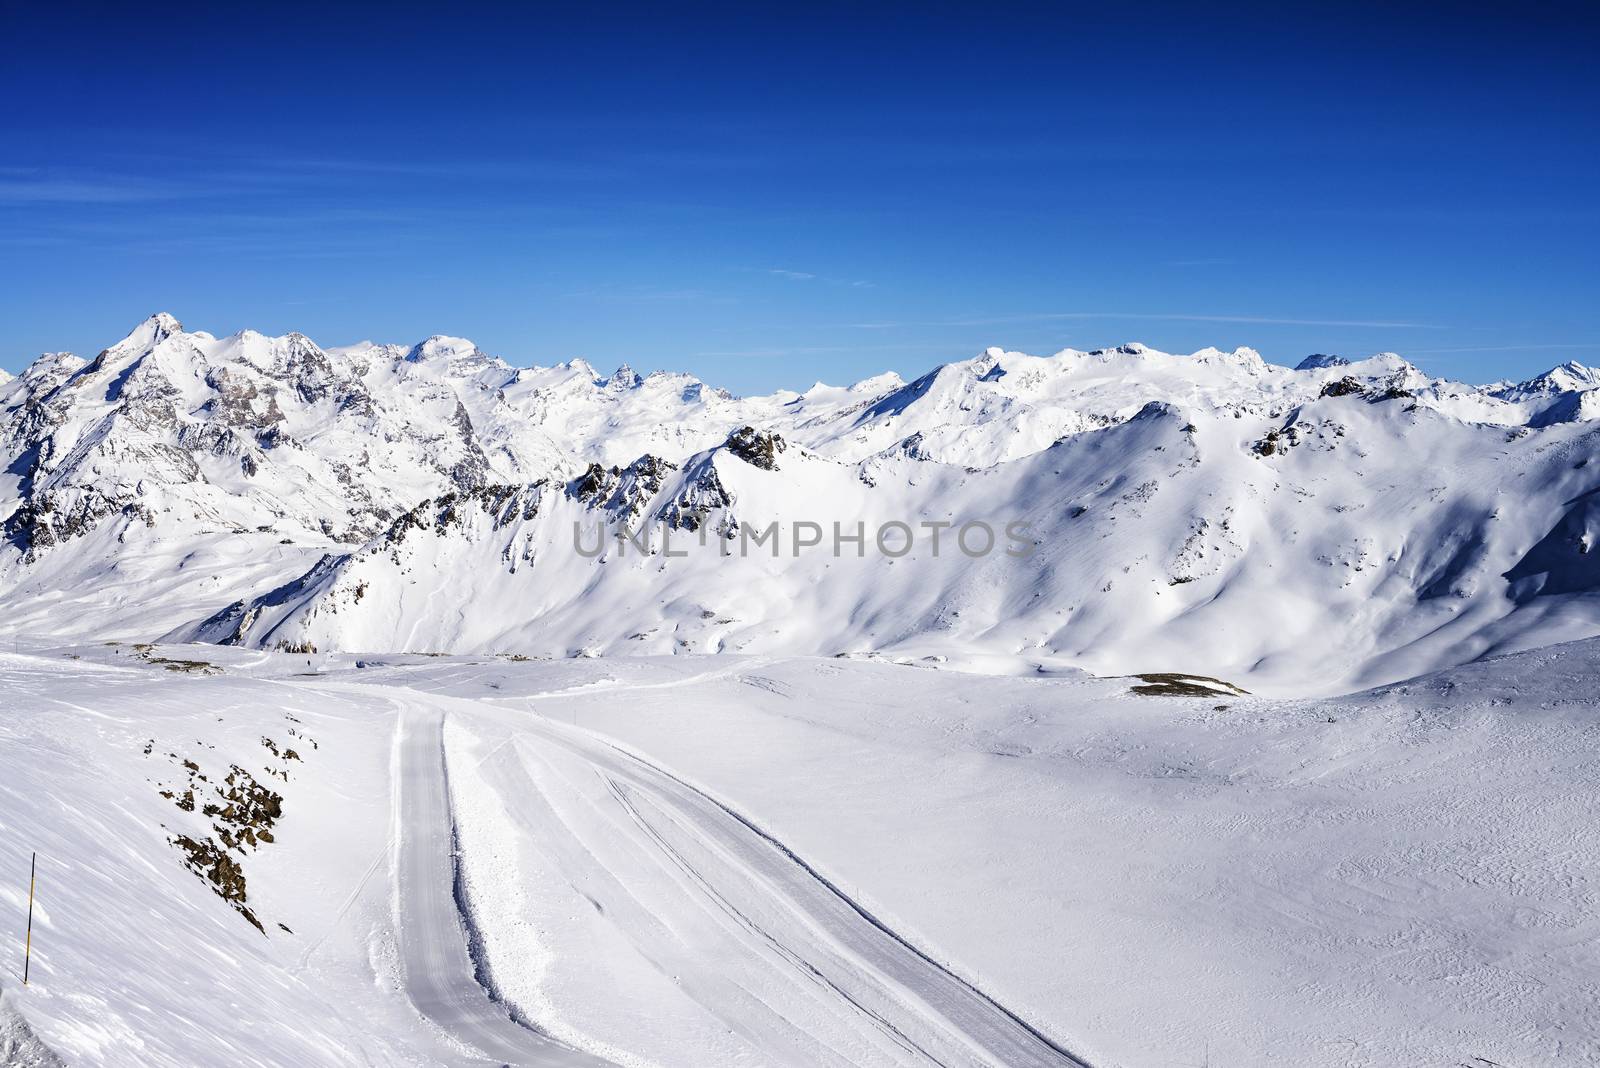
(440, 974)
(750, 933)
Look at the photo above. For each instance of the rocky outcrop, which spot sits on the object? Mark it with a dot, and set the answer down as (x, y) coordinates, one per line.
(756, 448)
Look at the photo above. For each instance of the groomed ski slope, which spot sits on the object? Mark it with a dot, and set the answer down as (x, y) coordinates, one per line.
(745, 861)
(685, 877)
(437, 940)
(737, 891)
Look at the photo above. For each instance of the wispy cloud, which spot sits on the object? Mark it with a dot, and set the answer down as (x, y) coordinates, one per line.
(51, 190)
(644, 294)
(808, 276)
(137, 179)
(1002, 320)
(811, 350)
(1590, 346)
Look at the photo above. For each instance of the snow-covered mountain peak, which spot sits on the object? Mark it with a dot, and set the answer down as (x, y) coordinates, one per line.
(457, 358)
(1132, 348)
(1571, 376)
(878, 383)
(49, 371)
(583, 367)
(142, 339)
(624, 377)
(1247, 359)
(155, 329)
(441, 347)
(1167, 483)
(1389, 365)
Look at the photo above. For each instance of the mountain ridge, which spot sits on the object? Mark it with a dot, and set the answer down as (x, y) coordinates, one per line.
(269, 491)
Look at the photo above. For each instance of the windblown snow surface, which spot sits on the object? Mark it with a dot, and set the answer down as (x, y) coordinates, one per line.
(760, 861)
(1275, 747)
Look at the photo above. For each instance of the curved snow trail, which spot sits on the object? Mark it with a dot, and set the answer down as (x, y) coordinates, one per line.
(441, 976)
(756, 935)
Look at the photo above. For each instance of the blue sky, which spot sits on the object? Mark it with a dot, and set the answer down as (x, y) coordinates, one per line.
(768, 198)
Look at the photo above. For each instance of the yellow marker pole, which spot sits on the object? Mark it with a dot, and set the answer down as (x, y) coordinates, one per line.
(27, 954)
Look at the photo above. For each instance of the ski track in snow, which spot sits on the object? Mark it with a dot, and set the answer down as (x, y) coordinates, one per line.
(739, 891)
(441, 978)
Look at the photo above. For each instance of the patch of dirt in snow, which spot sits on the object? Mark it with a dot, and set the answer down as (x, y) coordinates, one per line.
(145, 652)
(1171, 684)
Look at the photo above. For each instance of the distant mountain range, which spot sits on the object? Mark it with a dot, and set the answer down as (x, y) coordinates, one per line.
(1339, 524)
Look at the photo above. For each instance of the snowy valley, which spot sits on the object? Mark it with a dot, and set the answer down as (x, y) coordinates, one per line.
(786, 861)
